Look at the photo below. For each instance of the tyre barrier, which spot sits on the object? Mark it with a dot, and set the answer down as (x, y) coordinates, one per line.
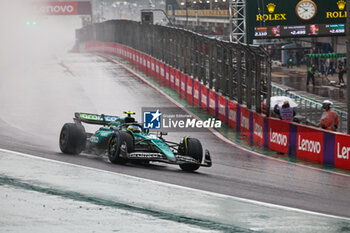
(295, 140)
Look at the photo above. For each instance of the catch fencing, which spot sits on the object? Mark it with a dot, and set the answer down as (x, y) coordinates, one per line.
(240, 72)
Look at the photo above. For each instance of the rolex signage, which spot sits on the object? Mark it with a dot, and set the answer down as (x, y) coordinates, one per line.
(340, 13)
(271, 16)
(295, 18)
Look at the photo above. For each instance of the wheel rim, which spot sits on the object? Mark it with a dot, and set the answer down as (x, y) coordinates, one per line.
(113, 146)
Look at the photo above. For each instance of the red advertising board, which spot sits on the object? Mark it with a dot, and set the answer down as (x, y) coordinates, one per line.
(120, 50)
(342, 151)
(144, 63)
(157, 73)
(245, 121)
(196, 91)
(114, 50)
(162, 73)
(177, 81)
(108, 48)
(167, 76)
(172, 78)
(127, 53)
(134, 57)
(137, 60)
(189, 90)
(148, 59)
(212, 103)
(57, 8)
(130, 50)
(204, 97)
(258, 129)
(310, 144)
(153, 68)
(183, 85)
(232, 114)
(278, 135)
(222, 108)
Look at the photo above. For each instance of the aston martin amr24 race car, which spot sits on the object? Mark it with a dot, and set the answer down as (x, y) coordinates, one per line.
(125, 140)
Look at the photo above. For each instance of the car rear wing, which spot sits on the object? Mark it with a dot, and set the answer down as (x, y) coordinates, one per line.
(96, 119)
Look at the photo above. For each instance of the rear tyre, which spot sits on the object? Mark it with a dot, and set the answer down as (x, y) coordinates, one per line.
(193, 148)
(120, 144)
(72, 138)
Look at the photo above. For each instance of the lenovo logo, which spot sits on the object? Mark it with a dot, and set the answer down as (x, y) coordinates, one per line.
(58, 8)
(343, 152)
(309, 145)
(278, 138)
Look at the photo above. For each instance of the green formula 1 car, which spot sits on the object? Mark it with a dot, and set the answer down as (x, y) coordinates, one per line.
(125, 140)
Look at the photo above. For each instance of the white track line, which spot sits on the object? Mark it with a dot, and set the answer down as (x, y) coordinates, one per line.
(180, 187)
(216, 133)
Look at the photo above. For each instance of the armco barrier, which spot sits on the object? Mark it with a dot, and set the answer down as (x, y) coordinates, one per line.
(300, 141)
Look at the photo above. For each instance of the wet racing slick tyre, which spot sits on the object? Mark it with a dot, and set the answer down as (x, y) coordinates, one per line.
(192, 147)
(121, 142)
(72, 138)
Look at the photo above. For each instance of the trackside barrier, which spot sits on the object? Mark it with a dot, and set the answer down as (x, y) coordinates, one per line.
(295, 140)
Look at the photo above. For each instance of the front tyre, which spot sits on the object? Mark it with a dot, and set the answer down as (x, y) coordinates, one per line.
(193, 148)
(120, 144)
(72, 138)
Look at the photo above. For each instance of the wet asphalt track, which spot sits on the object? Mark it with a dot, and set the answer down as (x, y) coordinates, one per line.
(38, 98)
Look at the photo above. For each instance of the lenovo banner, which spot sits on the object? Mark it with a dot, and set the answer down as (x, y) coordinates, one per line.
(149, 71)
(196, 93)
(172, 78)
(232, 114)
(57, 8)
(144, 63)
(258, 129)
(133, 57)
(204, 97)
(162, 73)
(212, 103)
(138, 60)
(157, 72)
(189, 90)
(167, 76)
(183, 85)
(153, 69)
(310, 144)
(245, 121)
(342, 151)
(222, 110)
(177, 81)
(278, 132)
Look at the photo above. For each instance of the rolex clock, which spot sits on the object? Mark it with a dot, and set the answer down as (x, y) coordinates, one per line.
(306, 9)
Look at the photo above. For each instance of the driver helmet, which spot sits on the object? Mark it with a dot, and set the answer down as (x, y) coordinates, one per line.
(134, 129)
(326, 103)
